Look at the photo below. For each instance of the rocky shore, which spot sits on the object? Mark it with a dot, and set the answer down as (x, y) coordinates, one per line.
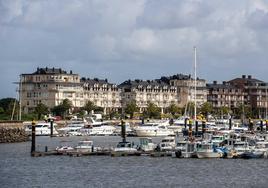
(12, 131)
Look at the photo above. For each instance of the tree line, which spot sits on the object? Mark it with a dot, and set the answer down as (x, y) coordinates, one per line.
(9, 106)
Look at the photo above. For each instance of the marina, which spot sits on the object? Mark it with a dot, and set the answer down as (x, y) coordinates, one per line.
(106, 171)
(221, 141)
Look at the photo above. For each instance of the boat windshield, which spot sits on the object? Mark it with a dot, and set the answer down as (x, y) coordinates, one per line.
(240, 145)
(149, 125)
(88, 143)
(167, 140)
(40, 125)
(181, 144)
(123, 145)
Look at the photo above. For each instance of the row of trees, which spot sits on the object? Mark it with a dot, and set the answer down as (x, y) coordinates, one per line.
(152, 111)
(10, 105)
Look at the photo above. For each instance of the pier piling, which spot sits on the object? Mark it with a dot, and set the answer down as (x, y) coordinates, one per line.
(250, 127)
(261, 126)
(51, 127)
(230, 124)
(203, 128)
(123, 131)
(33, 137)
(196, 127)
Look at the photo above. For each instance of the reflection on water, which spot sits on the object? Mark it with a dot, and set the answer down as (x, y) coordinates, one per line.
(18, 169)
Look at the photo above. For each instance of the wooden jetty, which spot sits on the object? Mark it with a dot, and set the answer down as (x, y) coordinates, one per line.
(100, 153)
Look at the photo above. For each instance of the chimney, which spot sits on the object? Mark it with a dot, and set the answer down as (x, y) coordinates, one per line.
(71, 72)
(244, 76)
(249, 76)
(214, 82)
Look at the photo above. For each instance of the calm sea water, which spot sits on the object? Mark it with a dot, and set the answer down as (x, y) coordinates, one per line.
(18, 169)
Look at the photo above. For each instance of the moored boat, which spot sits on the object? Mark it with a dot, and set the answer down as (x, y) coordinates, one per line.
(206, 150)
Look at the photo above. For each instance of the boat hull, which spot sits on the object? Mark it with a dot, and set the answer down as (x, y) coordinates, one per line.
(153, 133)
(202, 155)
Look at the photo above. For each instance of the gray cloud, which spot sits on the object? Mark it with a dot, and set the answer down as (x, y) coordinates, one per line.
(122, 39)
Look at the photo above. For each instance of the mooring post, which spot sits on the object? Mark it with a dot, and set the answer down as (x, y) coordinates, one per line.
(51, 127)
(123, 130)
(203, 128)
(261, 125)
(142, 120)
(186, 123)
(250, 127)
(33, 137)
(230, 123)
(196, 127)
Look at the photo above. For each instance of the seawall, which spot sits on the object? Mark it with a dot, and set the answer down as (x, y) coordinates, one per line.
(12, 131)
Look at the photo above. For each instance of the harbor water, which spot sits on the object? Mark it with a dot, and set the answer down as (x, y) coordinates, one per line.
(19, 169)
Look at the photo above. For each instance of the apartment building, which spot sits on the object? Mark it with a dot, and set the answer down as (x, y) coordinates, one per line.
(155, 91)
(186, 89)
(102, 93)
(49, 86)
(255, 93)
(225, 95)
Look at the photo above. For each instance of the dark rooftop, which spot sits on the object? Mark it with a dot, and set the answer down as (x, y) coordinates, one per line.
(51, 71)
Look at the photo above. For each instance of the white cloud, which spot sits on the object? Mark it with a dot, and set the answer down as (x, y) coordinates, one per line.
(118, 37)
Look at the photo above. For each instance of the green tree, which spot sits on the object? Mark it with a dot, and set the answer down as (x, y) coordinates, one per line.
(63, 108)
(174, 109)
(1, 110)
(131, 108)
(243, 111)
(41, 109)
(223, 110)
(7, 104)
(206, 109)
(152, 111)
(89, 106)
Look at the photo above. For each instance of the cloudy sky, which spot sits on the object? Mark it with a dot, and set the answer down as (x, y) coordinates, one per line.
(128, 39)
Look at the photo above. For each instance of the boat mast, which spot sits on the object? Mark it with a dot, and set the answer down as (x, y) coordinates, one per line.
(266, 102)
(194, 84)
(20, 91)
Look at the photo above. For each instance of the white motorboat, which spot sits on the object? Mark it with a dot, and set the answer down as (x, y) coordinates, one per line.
(99, 130)
(206, 150)
(74, 133)
(125, 147)
(241, 147)
(64, 149)
(185, 149)
(73, 127)
(85, 146)
(42, 129)
(167, 144)
(146, 144)
(153, 129)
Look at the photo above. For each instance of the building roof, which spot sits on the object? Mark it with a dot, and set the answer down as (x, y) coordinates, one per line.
(94, 81)
(248, 79)
(142, 83)
(49, 71)
(224, 85)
